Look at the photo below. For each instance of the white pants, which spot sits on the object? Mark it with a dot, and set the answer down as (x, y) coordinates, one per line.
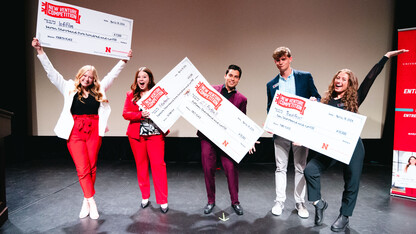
(300, 153)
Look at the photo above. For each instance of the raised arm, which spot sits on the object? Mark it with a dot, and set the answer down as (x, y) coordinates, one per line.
(107, 81)
(374, 72)
(395, 53)
(54, 76)
(37, 46)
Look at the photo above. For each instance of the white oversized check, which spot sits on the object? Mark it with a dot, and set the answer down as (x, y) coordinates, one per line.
(328, 130)
(68, 27)
(219, 120)
(163, 99)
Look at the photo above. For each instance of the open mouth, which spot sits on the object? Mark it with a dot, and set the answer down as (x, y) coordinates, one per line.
(142, 84)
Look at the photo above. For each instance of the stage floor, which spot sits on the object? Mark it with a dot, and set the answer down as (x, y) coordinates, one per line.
(45, 197)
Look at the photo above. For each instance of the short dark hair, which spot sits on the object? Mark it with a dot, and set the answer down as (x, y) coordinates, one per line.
(234, 67)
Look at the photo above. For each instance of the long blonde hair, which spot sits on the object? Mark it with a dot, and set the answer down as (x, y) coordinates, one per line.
(350, 97)
(94, 88)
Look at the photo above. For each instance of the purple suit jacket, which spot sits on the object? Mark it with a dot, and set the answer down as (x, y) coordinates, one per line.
(238, 99)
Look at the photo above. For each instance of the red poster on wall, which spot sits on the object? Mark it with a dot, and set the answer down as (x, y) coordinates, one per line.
(404, 155)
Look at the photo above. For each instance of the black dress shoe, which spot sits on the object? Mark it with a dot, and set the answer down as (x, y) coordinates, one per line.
(319, 212)
(164, 210)
(208, 208)
(238, 209)
(340, 224)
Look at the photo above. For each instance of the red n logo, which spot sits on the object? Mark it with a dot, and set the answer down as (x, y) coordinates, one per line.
(108, 49)
(225, 143)
(325, 146)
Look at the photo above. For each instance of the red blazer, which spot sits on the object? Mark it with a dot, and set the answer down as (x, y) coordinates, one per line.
(131, 112)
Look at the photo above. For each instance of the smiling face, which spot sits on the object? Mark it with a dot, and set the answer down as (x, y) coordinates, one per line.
(87, 79)
(231, 79)
(412, 160)
(143, 80)
(341, 82)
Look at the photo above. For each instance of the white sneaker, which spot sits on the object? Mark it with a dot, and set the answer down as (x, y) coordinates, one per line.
(278, 208)
(302, 211)
(85, 209)
(93, 209)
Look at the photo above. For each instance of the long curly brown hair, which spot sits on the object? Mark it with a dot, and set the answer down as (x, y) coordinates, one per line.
(350, 97)
(135, 87)
(93, 89)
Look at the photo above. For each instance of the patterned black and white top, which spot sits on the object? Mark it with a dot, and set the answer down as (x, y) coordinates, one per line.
(148, 128)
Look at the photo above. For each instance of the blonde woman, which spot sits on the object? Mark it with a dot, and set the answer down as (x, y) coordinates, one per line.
(83, 120)
(344, 93)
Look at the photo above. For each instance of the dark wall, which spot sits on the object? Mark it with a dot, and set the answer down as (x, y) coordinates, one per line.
(14, 92)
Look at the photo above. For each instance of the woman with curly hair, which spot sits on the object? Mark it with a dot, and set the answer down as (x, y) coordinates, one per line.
(344, 93)
(83, 120)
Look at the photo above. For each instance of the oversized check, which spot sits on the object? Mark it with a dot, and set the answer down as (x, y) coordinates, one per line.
(163, 99)
(328, 130)
(219, 120)
(68, 27)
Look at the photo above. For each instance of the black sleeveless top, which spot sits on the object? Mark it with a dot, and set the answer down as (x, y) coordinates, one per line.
(88, 106)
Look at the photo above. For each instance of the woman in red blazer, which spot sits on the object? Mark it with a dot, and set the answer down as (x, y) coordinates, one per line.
(147, 141)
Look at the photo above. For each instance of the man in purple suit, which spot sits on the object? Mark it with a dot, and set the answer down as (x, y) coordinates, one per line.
(210, 152)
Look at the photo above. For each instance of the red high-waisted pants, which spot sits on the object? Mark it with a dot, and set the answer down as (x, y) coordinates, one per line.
(83, 145)
(145, 149)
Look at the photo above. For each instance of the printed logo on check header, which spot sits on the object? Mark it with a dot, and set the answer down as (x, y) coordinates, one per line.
(63, 12)
(153, 98)
(209, 95)
(291, 103)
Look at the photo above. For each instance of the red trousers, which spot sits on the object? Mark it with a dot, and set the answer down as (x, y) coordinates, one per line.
(145, 149)
(83, 145)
